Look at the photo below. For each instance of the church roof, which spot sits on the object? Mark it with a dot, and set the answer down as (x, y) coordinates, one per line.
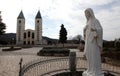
(38, 15)
(21, 16)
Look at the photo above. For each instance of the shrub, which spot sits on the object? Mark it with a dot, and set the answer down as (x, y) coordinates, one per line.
(52, 47)
(106, 49)
(12, 49)
(53, 51)
(117, 49)
(71, 47)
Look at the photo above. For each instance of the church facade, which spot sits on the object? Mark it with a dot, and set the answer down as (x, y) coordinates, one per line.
(29, 36)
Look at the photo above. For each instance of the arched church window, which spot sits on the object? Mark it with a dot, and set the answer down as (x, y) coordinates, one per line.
(28, 33)
(19, 21)
(24, 42)
(33, 35)
(28, 42)
(24, 35)
(19, 33)
(32, 42)
(37, 21)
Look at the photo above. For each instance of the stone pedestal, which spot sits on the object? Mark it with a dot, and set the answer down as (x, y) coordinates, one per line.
(72, 63)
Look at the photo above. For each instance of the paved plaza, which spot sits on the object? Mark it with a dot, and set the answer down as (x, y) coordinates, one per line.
(9, 61)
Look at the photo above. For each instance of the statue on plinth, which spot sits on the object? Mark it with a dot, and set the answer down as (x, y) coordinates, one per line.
(93, 34)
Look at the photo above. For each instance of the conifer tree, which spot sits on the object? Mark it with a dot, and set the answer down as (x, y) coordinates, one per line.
(63, 35)
(2, 26)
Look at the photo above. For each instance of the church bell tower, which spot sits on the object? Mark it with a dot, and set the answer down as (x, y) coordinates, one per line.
(20, 28)
(38, 28)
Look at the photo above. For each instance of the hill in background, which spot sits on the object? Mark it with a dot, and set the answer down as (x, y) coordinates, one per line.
(10, 38)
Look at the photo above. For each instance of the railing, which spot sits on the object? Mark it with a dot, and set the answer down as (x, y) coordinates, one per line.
(42, 67)
(45, 67)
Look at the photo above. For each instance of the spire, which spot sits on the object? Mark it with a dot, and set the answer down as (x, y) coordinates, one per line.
(21, 16)
(38, 15)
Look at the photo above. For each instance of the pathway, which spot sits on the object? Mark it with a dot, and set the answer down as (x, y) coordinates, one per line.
(9, 61)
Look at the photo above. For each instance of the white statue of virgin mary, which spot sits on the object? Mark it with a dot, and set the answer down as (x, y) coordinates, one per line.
(93, 34)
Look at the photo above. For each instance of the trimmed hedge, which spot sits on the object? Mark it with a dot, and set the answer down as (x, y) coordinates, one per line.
(12, 49)
(111, 49)
(53, 48)
(53, 51)
(69, 47)
(112, 55)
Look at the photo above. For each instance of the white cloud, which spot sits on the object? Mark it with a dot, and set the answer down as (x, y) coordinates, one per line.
(110, 20)
(93, 2)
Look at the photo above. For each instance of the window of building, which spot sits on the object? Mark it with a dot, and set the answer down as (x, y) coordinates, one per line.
(28, 33)
(24, 42)
(19, 21)
(33, 35)
(28, 42)
(19, 33)
(24, 35)
(37, 21)
(32, 42)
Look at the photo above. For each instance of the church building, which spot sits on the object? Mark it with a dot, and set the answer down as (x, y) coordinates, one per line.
(28, 36)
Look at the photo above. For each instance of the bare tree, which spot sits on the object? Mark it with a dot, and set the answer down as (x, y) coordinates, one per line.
(77, 38)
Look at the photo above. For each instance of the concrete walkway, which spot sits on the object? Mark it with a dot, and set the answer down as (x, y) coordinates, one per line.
(9, 61)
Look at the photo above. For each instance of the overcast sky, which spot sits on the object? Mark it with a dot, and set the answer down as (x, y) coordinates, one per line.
(67, 12)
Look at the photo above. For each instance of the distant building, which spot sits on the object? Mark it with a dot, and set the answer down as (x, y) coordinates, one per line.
(29, 37)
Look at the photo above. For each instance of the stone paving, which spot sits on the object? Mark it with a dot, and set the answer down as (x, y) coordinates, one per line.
(9, 61)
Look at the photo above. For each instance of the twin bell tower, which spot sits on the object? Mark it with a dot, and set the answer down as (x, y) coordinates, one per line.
(29, 36)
